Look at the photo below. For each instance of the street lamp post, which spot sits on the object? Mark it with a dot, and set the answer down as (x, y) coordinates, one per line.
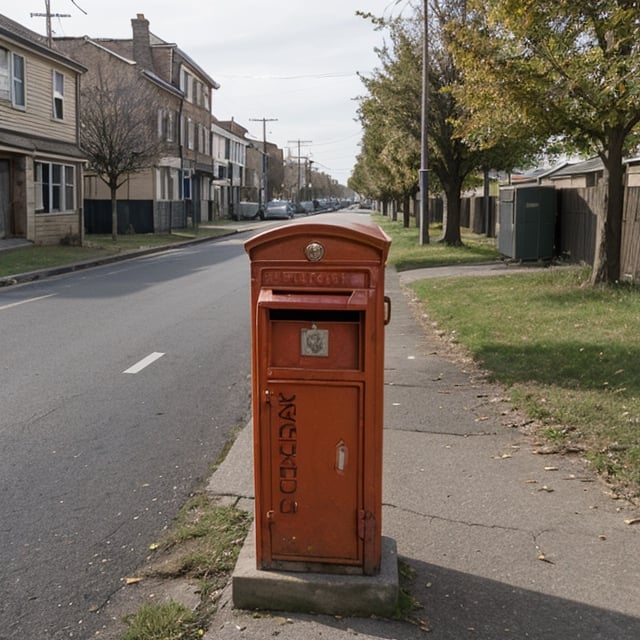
(424, 160)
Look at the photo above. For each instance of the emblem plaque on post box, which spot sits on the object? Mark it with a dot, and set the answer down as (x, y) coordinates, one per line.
(314, 342)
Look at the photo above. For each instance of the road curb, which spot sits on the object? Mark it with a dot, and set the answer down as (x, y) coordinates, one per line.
(40, 274)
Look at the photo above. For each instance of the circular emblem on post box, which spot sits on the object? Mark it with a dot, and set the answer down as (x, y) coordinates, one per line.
(314, 252)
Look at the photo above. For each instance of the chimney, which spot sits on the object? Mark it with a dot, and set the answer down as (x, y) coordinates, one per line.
(141, 42)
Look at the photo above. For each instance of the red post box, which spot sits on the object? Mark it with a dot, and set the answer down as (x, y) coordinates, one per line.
(318, 315)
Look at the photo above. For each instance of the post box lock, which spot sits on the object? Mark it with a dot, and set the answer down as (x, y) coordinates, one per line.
(387, 310)
(342, 454)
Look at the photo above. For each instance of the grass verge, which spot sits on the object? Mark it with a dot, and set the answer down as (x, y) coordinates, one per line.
(202, 545)
(406, 253)
(33, 258)
(568, 353)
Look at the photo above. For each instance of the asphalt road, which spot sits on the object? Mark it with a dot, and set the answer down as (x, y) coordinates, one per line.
(118, 388)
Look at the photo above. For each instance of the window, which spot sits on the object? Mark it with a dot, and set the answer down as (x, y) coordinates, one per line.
(160, 124)
(167, 183)
(12, 78)
(186, 185)
(58, 95)
(19, 95)
(171, 126)
(186, 85)
(5, 74)
(190, 133)
(55, 186)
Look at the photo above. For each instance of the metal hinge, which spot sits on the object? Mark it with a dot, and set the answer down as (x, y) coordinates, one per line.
(366, 525)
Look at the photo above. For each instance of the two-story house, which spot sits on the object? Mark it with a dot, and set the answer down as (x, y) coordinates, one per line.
(41, 165)
(229, 150)
(178, 188)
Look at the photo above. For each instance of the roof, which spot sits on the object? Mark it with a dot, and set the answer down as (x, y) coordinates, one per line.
(39, 145)
(593, 165)
(24, 37)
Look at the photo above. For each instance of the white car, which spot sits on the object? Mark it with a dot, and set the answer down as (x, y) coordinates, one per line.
(278, 209)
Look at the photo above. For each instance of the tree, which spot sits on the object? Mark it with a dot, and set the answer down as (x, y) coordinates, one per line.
(118, 130)
(394, 104)
(569, 68)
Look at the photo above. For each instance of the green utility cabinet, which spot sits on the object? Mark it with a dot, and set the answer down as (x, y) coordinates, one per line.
(527, 222)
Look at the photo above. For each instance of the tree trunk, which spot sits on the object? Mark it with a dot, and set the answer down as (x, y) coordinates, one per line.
(114, 214)
(606, 262)
(406, 213)
(451, 234)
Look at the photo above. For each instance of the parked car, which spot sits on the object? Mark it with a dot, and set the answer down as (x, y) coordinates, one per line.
(308, 206)
(278, 209)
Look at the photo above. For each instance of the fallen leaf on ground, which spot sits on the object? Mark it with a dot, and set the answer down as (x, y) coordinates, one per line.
(133, 580)
(632, 521)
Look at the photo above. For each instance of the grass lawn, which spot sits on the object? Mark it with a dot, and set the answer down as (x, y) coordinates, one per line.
(406, 253)
(36, 257)
(569, 354)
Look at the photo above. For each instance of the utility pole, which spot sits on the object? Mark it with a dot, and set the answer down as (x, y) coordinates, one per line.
(48, 15)
(264, 194)
(299, 142)
(424, 161)
(310, 181)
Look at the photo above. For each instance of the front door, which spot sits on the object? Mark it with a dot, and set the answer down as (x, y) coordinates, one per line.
(5, 199)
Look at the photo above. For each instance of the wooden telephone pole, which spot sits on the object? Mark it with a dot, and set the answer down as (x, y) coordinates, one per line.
(48, 15)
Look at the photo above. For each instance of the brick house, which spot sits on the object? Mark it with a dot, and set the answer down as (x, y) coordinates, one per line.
(41, 165)
(178, 188)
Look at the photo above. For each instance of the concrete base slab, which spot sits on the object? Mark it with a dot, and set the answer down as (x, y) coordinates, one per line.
(331, 594)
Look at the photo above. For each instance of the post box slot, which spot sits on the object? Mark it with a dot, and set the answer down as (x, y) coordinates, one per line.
(307, 315)
(315, 339)
(358, 298)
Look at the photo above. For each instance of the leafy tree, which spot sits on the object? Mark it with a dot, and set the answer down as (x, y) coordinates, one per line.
(394, 103)
(569, 69)
(118, 130)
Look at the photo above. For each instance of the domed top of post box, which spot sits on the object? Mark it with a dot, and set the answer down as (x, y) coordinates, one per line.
(317, 241)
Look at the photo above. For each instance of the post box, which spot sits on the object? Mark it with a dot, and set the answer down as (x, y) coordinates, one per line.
(318, 315)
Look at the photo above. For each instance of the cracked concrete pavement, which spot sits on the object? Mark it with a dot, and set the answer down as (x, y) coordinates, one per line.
(499, 540)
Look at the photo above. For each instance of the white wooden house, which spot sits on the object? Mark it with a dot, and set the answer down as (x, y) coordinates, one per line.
(41, 165)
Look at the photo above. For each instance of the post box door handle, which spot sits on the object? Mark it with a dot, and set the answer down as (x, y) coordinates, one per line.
(387, 310)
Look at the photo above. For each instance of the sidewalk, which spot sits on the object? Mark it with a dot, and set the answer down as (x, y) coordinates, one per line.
(500, 542)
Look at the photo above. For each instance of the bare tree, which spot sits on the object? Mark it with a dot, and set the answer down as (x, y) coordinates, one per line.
(118, 129)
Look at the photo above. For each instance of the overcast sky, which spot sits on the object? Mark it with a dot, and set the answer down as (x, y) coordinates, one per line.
(295, 61)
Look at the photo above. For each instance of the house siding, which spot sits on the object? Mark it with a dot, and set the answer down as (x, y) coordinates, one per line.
(31, 134)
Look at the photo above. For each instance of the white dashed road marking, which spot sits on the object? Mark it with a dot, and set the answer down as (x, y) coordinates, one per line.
(145, 362)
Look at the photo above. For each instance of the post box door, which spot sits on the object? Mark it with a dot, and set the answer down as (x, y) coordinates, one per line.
(315, 458)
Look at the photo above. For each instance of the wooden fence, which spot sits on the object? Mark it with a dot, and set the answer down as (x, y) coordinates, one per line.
(630, 255)
(577, 212)
(576, 225)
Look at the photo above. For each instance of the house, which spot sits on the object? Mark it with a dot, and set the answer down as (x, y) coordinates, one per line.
(41, 165)
(229, 150)
(178, 189)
